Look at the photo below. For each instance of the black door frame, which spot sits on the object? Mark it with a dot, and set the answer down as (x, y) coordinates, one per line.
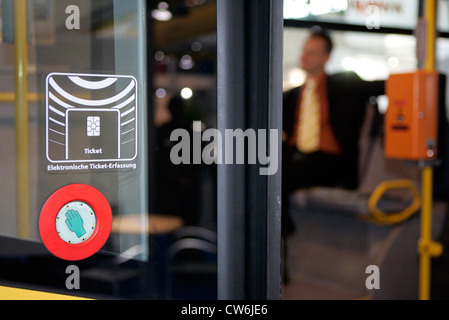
(250, 56)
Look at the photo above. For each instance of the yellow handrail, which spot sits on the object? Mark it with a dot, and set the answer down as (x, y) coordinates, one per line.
(427, 248)
(9, 97)
(22, 140)
(393, 218)
(430, 17)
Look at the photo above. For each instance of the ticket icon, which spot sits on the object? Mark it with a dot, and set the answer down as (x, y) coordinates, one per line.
(91, 117)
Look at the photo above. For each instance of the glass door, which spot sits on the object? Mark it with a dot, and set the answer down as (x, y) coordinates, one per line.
(113, 180)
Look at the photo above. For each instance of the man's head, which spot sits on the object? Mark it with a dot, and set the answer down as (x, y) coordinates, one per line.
(316, 52)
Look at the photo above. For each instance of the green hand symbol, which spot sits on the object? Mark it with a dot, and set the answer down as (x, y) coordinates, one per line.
(75, 223)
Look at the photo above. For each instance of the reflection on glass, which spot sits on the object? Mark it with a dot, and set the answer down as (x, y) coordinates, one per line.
(184, 92)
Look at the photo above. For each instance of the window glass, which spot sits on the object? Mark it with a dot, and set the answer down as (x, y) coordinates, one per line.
(372, 14)
(443, 16)
(183, 97)
(373, 56)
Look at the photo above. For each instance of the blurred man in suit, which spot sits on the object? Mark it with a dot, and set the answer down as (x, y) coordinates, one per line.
(322, 121)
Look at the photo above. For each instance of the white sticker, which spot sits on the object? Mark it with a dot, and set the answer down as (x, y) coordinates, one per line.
(91, 118)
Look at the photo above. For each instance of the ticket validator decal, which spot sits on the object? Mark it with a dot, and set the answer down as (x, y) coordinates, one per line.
(75, 222)
(91, 121)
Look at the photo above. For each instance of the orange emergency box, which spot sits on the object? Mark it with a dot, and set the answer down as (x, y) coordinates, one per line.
(411, 121)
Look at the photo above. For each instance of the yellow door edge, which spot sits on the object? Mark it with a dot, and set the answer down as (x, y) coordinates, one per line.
(9, 293)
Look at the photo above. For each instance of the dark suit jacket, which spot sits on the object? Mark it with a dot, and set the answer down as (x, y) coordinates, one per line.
(348, 96)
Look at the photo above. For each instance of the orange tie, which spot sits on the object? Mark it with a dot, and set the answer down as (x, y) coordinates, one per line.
(308, 139)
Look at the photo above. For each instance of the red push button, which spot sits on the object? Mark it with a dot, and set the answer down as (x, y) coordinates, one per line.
(75, 222)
